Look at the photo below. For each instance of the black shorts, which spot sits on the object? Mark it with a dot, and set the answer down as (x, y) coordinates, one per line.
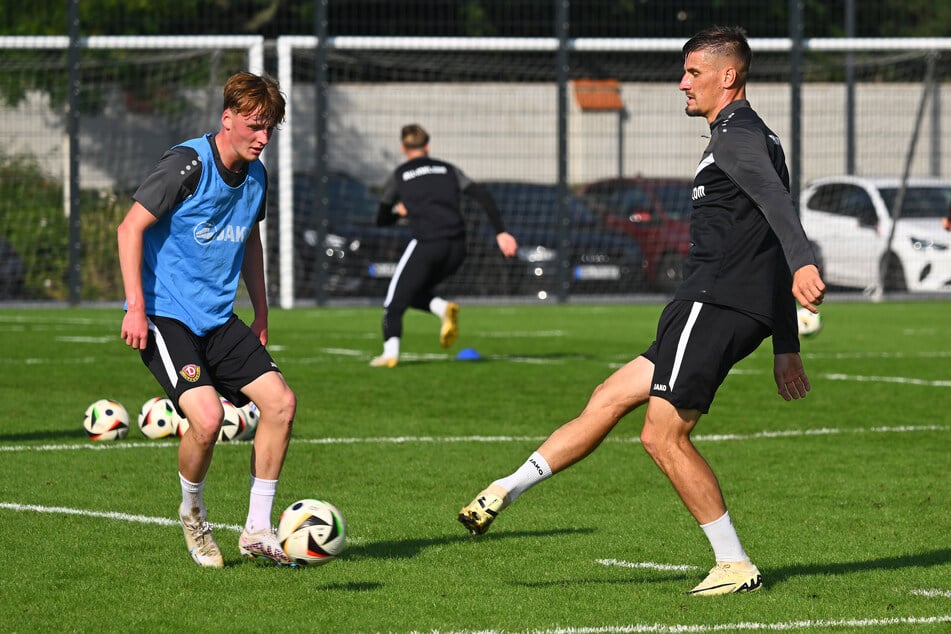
(697, 344)
(227, 358)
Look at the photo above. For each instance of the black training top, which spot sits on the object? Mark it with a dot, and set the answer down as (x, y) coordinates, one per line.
(431, 191)
(745, 234)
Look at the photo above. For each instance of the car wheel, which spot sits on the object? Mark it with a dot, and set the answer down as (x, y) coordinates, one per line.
(669, 272)
(893, 274)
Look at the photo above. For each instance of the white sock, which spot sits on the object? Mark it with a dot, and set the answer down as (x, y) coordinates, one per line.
(534, 470)
(437, 306)
(391, 347)
(193, 502)
(723, 538)
(259, 508)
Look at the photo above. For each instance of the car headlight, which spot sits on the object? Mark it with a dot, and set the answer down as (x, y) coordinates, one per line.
(919, 244)
(310, 237)
(537, 253)
(334, 241)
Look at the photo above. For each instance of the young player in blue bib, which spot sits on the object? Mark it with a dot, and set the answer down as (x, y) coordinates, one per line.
(191, 233)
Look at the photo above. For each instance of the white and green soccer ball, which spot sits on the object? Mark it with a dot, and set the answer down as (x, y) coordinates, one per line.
(157, 418)
(251, 415)
(233, 424)
(106, 419)
(312, 532)
(810, 324)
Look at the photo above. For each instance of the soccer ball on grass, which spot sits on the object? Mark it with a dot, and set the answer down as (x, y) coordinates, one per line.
(233, 427)
(809, 323)
(106, 420)
(233, 424)
(157, 418)
(181, 425)
(251, 415)
(312, 532)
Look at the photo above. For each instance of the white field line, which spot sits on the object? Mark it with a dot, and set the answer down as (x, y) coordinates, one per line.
(743, 626)
(884, 379)
(932, 592)
(60, 322)
(403, 440)
(40, 361)
(929, 354)
(649, 565)
(612, 629)
(79, 339)
(857, 378)
(523, 334)
(122, 517)
(125, 517)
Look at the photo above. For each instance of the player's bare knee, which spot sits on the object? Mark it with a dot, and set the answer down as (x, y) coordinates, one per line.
(649, 440)
(656, 439)
(279, 409)
(204, 426)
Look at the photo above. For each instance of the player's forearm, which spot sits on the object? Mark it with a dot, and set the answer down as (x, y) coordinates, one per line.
(252, 270)
(130, 265)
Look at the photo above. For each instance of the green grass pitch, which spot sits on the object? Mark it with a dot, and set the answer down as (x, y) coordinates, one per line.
(843, 499)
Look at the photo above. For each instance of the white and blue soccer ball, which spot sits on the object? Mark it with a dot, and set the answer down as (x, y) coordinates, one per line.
(106, 419)
(251, 415)
(810, 324)
(157, 418)
(233, 424)
(312, 532)
(233, 427)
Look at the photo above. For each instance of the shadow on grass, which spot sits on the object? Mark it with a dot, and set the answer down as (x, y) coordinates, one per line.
(75, 433)
(588, 581)
(771, 576)
(352, 586)
(408, 548)
(940, 557)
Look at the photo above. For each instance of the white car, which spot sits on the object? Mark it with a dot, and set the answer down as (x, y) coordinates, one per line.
(849, 218)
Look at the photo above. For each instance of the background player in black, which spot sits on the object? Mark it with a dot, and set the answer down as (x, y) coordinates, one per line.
(427, 192)
(746, 238)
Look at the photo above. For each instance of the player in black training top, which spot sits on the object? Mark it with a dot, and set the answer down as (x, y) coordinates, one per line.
(427, 192)
(748, 249)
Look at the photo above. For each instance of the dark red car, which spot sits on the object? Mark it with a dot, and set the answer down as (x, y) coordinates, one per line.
(656, 212)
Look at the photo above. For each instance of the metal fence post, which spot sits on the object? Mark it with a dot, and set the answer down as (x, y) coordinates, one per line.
(72, 135)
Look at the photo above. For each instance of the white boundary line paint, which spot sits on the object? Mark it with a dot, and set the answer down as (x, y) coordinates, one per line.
(123, 517)
(658, 628)
(884, 379)
(646, 564)
(930, 354)
(58, 322)
(78, 339)
(403, 440)
(38, 361)
(932, 592)
(858, 378)
(612, 629)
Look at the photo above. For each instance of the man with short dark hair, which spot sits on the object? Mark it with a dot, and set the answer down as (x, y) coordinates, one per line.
(748, 249)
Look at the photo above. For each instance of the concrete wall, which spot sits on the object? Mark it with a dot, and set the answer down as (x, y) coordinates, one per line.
(506, 131)
(494, 131)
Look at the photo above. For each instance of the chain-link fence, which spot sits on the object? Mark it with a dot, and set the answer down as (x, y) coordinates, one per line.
(487, 83)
